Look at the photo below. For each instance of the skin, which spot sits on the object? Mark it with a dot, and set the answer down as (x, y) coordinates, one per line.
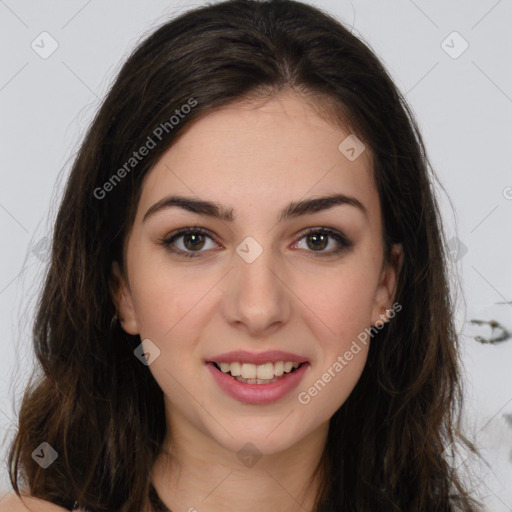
(254, 158)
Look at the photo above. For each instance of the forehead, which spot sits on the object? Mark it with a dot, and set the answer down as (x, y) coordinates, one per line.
(255, 156)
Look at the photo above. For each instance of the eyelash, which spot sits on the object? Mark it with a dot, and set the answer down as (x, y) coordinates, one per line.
(340, 238)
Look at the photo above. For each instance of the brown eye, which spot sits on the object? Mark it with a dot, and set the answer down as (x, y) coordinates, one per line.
(317, 239)
(193, 240)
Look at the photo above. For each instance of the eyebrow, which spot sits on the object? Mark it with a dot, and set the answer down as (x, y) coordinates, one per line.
(292, 210)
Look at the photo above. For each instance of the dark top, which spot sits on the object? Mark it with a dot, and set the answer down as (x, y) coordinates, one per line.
(159, 506)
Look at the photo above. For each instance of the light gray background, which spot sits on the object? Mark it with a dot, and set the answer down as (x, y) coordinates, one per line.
(463, 106)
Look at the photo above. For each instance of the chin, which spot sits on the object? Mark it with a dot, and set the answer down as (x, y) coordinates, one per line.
(263, 437)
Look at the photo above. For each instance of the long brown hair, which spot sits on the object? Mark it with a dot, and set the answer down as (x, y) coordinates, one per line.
(101, 409)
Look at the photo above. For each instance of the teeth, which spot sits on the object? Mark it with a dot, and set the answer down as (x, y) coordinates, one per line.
(224, 367)
(235, 369)
(265, 371)
(256, 381)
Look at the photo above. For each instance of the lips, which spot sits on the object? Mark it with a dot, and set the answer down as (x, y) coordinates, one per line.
(257, 394)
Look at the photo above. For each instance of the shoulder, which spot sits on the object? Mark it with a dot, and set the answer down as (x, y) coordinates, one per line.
(12, 503)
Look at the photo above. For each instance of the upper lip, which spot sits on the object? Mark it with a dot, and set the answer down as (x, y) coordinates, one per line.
(270, 356)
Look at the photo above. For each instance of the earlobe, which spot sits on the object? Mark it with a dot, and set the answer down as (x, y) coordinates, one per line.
(386, 291)
(121, 296)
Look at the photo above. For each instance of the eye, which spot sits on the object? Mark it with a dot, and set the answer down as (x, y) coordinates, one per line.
(194, 240)
(320, 240)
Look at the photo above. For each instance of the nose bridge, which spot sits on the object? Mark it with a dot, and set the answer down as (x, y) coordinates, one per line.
(258, 296)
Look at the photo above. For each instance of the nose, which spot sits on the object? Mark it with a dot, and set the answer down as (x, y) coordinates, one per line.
(257, 298)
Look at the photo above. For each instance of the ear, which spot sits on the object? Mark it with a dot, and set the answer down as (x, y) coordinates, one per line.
(386, 290)
(122, 297)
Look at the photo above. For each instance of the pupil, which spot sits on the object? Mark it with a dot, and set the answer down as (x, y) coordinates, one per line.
(188, 237)
(317, 236)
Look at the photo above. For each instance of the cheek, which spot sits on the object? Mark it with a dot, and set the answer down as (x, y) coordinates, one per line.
(341, 310)
(328, 389)
(339, 301)
(169, 312)
(339, 307)
(164, 300)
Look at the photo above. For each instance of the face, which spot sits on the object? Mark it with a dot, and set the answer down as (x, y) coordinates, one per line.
(259, 281)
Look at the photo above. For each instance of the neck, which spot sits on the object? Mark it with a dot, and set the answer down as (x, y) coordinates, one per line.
(195, 473)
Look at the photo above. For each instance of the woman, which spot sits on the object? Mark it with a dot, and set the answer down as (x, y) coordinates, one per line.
(247, 306)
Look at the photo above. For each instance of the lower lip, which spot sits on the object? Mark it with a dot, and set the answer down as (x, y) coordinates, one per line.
(258, 393)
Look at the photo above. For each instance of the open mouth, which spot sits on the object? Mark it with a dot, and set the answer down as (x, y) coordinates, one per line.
(258, 384)
(275, 378)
